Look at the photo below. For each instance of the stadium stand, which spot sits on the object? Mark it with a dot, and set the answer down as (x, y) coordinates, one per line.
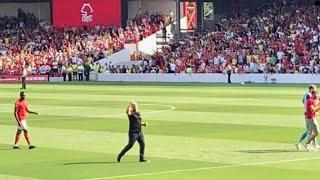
(24, 40)
(273, 39)
(279, 38)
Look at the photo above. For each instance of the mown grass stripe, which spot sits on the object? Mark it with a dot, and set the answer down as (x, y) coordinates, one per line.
(162, 146)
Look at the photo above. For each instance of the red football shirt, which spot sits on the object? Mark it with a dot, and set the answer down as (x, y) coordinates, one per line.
(21, 108)
(310, 113)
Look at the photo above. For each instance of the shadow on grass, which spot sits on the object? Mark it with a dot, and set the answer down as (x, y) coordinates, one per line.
(84, 163)
(269, 151)
(97, 162)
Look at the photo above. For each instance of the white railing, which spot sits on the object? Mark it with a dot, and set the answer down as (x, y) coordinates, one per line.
(149, 45)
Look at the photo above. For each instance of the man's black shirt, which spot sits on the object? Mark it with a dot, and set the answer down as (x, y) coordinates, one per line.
(134, 122)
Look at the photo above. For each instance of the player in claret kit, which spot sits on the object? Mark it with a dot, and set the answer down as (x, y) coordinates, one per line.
(305, 135)
(20, 113)
(312, 124)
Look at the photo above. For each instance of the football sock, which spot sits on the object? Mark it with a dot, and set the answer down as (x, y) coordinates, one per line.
(315, 142)
(303, 136)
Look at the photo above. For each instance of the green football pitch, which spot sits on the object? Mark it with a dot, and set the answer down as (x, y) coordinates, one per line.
(196, 131)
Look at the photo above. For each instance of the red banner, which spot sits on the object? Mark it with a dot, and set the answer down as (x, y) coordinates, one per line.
(78, 13)
(4, 79)
(31, 78)
(190, 10)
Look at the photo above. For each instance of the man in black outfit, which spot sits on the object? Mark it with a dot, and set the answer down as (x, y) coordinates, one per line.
(164, 33)
(87, 70)
(135, 133)
(229, 71)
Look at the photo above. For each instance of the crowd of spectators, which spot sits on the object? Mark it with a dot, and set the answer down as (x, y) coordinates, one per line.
(43, 49)
(283, 37)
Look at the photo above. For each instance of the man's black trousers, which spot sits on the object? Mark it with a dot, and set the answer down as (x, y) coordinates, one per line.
(133, 137)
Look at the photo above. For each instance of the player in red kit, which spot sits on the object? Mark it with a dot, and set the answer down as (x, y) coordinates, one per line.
(312, 124)
(20, 113)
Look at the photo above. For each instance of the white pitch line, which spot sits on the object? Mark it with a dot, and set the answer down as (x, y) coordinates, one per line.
(171, 108)
(160, 111)
(203, 168)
